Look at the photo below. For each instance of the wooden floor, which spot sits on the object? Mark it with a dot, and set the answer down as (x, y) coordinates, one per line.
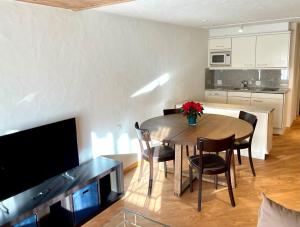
(278, 177)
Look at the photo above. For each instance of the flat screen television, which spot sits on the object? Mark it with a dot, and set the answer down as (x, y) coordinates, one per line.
(29, 157)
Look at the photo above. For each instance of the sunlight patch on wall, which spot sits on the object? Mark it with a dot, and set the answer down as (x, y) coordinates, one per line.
(108, 145)
(28, 98)
(160, 81)
(123, 144)
(103, 145)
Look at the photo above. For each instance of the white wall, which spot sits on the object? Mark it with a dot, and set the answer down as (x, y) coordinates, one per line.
(57, 63)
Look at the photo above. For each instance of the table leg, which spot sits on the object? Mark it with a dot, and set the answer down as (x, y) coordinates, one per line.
(178, 170)
(232, 172)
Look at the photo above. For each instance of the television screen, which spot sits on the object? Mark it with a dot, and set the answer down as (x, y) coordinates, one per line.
(29, 157)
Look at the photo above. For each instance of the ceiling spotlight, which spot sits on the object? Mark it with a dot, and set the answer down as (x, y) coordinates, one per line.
(241, 29)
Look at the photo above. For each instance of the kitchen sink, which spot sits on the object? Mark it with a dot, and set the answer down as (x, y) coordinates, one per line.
(269, 89)
(240, 89)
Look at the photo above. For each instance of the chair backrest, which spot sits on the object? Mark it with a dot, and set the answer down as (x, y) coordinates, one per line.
(171, 111)
(143, 135)
(210, 145)
(251, 119)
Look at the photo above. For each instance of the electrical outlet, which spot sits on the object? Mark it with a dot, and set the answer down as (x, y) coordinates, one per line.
(258, 83)
(219, 82)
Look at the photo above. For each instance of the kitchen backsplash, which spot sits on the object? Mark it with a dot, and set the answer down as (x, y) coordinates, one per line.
(232, 78)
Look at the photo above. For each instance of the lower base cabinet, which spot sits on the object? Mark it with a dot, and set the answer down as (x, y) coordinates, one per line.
(85, 202)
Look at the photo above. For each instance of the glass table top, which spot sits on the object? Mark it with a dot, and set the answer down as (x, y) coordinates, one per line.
(129, 218)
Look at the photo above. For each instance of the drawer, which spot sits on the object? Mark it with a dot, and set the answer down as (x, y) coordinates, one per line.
(85, 202)
(267, 96)
(215, 93)
(28, 222)
(245, 101)
(239, 94)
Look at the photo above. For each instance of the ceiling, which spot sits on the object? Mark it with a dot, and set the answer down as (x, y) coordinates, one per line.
(209, 13)
(75, 5)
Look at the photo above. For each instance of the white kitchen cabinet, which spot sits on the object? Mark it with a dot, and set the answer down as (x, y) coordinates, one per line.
(272, 51)
(239, 98)
(275, 101)
(243, 52)
(216, 96)
(219, 44)
(239, 101)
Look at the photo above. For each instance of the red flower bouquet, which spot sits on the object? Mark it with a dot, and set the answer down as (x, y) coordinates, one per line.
(192, 110)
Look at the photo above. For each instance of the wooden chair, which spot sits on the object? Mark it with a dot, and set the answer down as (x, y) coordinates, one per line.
(211, 163)
(161, 153)
(176, 111)
(246, 144)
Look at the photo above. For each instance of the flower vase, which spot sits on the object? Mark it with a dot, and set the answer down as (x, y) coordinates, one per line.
(192, 119)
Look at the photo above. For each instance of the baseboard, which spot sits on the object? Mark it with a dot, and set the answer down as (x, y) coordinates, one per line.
(278, 131)
(130, 167)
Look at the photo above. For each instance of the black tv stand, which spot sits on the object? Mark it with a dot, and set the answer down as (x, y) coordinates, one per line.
(56, 202)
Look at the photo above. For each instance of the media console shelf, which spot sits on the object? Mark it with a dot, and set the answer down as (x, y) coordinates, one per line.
(69, 199)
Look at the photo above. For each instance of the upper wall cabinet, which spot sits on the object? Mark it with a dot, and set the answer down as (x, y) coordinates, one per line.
(219, 44)
(243, 52)
(272, 51)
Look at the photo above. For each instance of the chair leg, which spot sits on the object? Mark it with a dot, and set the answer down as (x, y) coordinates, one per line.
(200, 191)
(141, 170)
(216, 181)
(239, 156)
(250, 160)
(165, 169)
(228, 178)
(150, 178)
(191, 178)
(187, 150)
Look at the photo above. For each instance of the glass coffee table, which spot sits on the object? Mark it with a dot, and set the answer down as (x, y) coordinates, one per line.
(129, 218)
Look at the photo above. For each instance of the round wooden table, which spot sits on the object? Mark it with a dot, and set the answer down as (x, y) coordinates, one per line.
(175, 129)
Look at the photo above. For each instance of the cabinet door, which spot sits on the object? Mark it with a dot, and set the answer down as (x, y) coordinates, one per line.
(277, 104)
(216, 96)
(272, 50)
(243, 52)
(239, 101)
(219, 44)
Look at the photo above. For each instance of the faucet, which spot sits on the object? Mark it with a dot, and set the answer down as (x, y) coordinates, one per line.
(244, 84)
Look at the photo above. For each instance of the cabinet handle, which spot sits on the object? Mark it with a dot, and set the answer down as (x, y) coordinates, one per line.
(257, 101)
(220, 46)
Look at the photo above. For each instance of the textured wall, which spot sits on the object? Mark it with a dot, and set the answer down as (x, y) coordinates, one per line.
(91, 65)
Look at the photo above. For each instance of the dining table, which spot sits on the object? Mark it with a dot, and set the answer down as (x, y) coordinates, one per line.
(174, 129)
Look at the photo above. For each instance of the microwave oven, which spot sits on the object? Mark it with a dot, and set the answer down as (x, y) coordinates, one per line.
(220, 58)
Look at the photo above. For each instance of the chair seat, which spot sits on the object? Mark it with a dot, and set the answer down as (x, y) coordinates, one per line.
(241, 144)
(212, 163)
(161, 153)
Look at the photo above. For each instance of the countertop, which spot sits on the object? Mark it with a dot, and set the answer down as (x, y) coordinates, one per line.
(251, 90)
(253, 109)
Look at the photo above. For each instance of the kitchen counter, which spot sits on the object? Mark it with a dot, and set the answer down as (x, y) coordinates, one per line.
(251, 90)
(262, 139)
(238, 107)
